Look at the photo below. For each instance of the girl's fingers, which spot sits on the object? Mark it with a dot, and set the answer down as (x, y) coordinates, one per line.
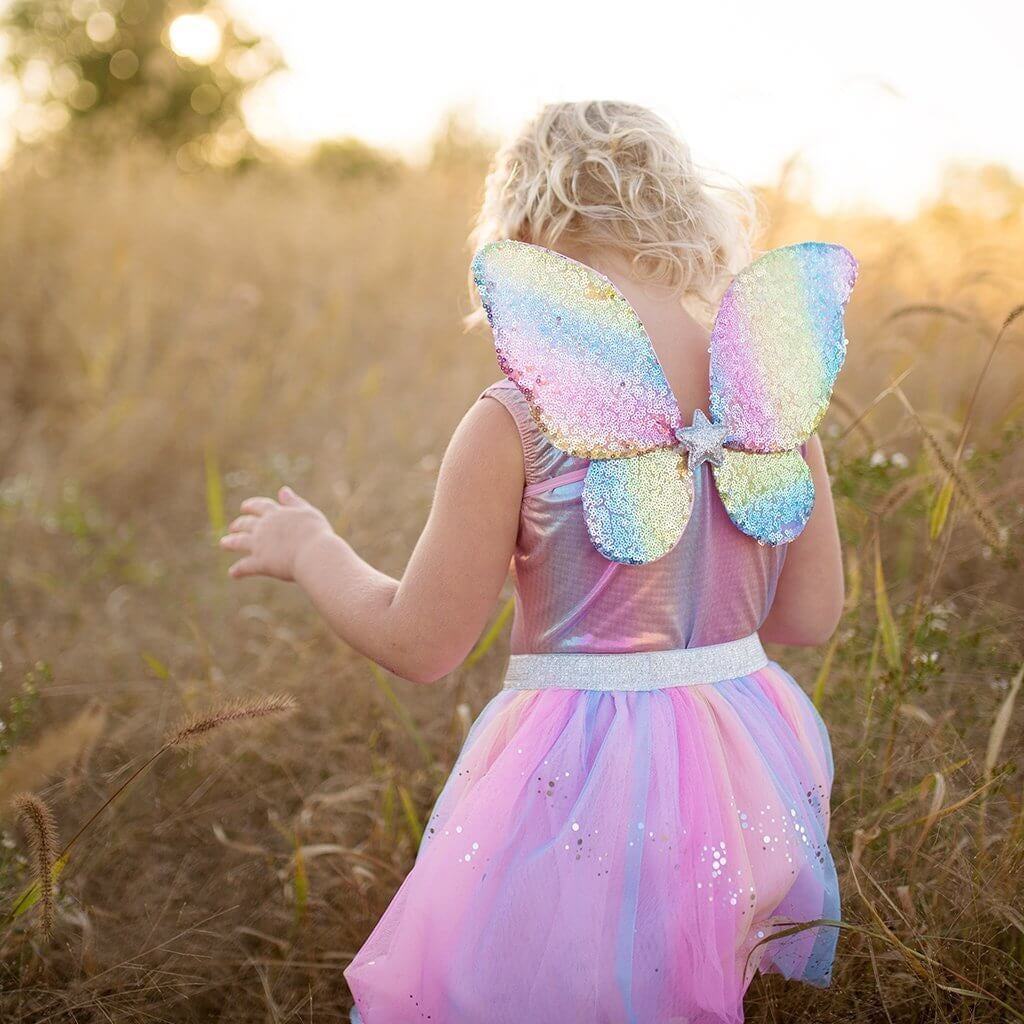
(258, 506)
(289, 497)
(242, 524)
(244, 567)
(236, 541)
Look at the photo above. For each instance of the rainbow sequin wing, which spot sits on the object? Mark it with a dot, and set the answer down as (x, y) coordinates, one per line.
(778, 344)
(776, 349)
(637, 508)
(569, 340)
(768, 497)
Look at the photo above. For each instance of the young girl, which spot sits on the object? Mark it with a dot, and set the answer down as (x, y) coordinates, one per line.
(642, 810)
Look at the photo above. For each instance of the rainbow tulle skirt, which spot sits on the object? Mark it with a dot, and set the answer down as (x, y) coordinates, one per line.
(624, 839)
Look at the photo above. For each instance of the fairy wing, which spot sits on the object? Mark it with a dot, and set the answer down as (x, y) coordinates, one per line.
(777, 346)
(576, 349)
(768, 496)
(637, 508)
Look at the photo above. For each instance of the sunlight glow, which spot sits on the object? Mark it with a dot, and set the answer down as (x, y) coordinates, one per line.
(867, 116)
(196, 37)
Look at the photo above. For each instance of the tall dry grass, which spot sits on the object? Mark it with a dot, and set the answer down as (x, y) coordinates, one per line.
(171, 344)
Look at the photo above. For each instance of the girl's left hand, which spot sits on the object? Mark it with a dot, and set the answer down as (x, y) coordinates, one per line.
(272, 534)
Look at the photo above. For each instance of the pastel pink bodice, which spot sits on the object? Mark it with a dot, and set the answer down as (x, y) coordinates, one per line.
(716, 585)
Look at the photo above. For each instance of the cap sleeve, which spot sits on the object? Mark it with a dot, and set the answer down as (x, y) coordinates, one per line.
(518, 408)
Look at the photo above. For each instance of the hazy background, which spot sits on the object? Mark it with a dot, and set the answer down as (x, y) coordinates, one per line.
(873, 99)
(232, 241)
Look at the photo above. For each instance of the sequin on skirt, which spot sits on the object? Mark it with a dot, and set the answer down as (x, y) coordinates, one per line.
(615, 857)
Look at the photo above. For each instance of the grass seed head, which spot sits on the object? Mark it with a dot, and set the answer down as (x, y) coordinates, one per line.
(198, 727)
(41, 828)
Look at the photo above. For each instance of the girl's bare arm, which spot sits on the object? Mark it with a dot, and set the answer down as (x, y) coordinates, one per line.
(423, 625)
(809, 597)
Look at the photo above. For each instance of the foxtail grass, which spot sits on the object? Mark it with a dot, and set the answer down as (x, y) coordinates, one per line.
(949, 463)
(189, 733)
(197, 728)
(41, 828)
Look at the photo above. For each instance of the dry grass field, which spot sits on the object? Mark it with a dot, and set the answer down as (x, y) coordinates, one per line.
(170, 344)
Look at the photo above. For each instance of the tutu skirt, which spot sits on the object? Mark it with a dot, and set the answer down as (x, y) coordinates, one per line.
(608, 856)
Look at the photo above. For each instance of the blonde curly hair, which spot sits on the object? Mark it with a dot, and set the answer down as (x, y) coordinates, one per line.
(614, 176)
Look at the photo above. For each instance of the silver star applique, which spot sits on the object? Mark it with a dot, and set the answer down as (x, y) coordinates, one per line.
(703, 441)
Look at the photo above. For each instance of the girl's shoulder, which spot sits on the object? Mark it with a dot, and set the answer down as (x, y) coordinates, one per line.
(541, 459)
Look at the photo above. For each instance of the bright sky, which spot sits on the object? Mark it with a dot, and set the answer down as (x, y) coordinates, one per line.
(875, 95)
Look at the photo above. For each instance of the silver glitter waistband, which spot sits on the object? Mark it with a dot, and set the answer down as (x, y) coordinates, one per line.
(641, 670)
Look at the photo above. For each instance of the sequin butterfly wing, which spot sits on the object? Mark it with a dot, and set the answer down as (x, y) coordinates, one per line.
(777, 346)
(637, 508)
(569, 340)
(768, 496)
(576, 349)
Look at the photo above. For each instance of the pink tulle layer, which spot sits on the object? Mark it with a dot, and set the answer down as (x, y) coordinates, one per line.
(615, 858)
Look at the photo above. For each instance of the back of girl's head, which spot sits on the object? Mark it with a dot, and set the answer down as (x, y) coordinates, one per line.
(613, 177)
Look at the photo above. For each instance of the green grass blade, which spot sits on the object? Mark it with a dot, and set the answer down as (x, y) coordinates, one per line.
(886, 622)
(411, 817)
(300, 879)
(30, 895)
(818, 694)
(492, 634)
(387, 808)
(214, 493)
(156, 666)
(401, 714)
(940, 509)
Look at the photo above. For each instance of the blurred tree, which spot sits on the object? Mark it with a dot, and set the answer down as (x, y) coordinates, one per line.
(169, 71)
(350, 158)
